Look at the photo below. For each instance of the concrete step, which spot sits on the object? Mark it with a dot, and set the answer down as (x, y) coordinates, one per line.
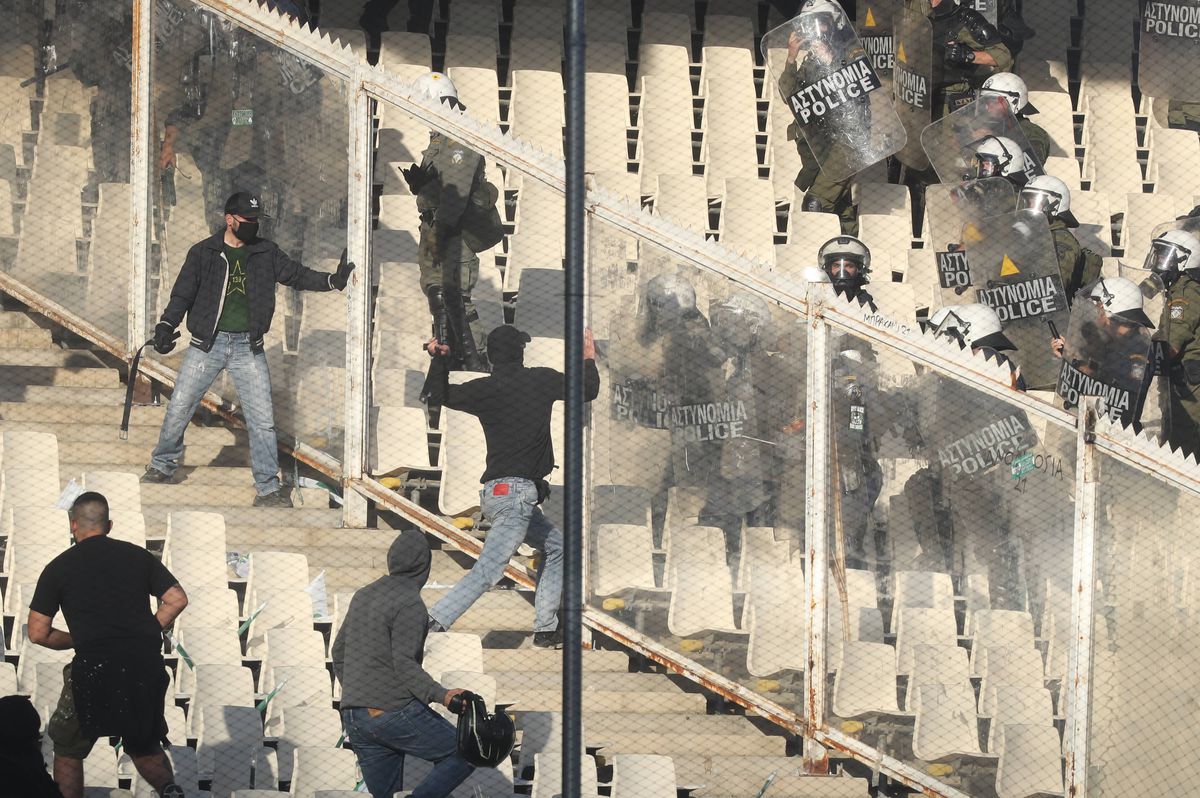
(510, 682)
(693, 743)
(62, 396)
(139, 434)
(253, 516)
(599, 724)
(87, 377)
(734, 775)
(230, 476)
(533, 660)
(24, 338)
(496, 610)
(138, 453)
(16, 320)
(52, 357)
(19, 412)
(606, 701)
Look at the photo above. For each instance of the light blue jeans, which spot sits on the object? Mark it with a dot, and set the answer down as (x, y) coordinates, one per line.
(510, 505)
(382, 743)
(230, 351)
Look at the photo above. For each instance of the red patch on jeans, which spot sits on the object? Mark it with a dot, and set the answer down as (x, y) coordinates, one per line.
(500, 490)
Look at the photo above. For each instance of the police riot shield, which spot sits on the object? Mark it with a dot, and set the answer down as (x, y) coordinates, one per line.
(950, 142)
(949, 209)
(1169, 57)
(1105, 358)
(970, 443)
(912, 81)
(833, 91)
(1014, 270)
(1153, 302)
(987, 8)
(875, 31)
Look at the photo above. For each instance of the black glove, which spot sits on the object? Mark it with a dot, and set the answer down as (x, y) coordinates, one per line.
(458, 704)
(416, 176)
(959, 54)
(338, 280)
(165, 337)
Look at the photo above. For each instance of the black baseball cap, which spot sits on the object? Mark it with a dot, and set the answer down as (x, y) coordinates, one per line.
(506, 343)
(243, 203)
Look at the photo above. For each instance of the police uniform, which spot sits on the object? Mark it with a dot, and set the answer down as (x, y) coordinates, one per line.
(1073, 267)
(954, 84)
(822, 193)
(1178, 328)
(1038, 138)
(443, 257)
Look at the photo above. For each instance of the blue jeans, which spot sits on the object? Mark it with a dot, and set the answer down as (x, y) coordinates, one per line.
(515, 518)
(230, 351)
(381, 743)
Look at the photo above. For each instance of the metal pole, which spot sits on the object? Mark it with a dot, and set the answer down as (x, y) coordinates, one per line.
(141, 154)
(358, 316)
(573, 538)
(1078, 685)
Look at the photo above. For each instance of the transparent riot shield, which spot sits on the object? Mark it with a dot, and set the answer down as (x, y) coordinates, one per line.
(951, 141)
(985, 7)
(875, 31)
(1170, 50)
(951, 207)
(1105, 358)
(1014, 270)
(1153, 301)
(833, 91)
(912, 81)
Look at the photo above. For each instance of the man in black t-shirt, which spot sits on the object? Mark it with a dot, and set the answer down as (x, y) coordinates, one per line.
(116, 683)
(513, 405)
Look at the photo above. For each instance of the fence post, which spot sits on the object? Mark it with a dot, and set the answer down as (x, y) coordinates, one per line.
(142, 153)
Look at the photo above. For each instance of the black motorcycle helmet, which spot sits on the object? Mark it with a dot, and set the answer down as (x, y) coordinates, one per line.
(485, 740)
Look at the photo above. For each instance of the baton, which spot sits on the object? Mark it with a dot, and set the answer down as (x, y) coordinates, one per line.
(133, 372)
(1053, 329)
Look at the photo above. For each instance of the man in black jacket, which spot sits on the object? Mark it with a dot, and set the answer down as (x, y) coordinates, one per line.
(385, 692)
(227, 290)
(514, 405)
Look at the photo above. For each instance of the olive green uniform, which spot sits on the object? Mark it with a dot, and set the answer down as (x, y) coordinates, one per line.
(1037, 137)
(443, 257)
(1075, 269)
(1179, 327)
(955, 85)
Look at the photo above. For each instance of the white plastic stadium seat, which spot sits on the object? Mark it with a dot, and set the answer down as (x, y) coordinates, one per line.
(316, 769)
(643, 776)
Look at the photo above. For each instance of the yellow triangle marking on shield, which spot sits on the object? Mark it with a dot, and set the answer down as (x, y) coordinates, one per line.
(901, 56)
(972, 234)
(870, 20)
(1008, 268)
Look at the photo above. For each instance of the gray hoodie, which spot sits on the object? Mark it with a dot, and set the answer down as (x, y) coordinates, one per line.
(378, 650)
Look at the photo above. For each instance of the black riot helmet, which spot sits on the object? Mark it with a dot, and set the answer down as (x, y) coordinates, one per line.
(847, 261)
(484, 739)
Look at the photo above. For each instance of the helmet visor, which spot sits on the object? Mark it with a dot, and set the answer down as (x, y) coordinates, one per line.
(1033, 199)
(844, 267)
(1165, 256)
(815, 26)
(987, 165)
(994, 102)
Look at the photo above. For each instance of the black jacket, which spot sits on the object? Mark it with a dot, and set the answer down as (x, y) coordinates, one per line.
(199, 290)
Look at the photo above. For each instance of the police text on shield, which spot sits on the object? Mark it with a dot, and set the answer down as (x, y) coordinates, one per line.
(848, 84)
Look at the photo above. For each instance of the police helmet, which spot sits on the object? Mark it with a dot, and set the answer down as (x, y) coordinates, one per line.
(1049, 195)
(1121, 299)
(740, 319)
(669, 295)
(997, 156)
(484, 739)
(847, 261)
(818, 19)
(1173, 251)
(438, 86)
(975, 326)
(1012, 88)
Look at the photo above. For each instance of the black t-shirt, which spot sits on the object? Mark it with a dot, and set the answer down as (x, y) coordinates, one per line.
(103, 588)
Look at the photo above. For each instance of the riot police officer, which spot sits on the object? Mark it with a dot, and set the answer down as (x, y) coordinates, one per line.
(1077, 267)
(967, 49)
(1175, 257)
(1012, 88)
(847, 261)
(998, 156)
(829, 43)
(444, 182)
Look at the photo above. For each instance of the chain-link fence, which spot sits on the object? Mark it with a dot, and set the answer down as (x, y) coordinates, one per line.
(889, 307)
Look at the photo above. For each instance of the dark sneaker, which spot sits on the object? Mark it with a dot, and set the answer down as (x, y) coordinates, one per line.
(551, 640)
(157, 477)
(280, 498)
(172, 791)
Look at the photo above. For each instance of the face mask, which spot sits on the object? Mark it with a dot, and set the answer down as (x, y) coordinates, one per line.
(246, 232)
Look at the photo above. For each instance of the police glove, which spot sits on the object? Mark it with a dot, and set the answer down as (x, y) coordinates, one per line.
(416, 176)
(959, 54)
(338, 280)
(165, 337)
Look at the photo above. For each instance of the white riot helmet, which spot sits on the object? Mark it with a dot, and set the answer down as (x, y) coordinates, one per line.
(740, 319)
(1049, 195)
(670, 297)
(1121, 299)
(974, 326)
(438, 86)
(997, 156)
(1012, 88)
(818, 19)
(1172, 252)
(847, 261)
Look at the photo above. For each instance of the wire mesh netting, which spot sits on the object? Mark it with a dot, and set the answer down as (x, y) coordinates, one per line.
(854, 275)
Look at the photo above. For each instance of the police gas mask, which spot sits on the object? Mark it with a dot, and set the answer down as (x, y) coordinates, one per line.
(846, 274)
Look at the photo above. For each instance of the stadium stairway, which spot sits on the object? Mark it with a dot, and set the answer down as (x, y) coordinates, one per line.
(74, 391)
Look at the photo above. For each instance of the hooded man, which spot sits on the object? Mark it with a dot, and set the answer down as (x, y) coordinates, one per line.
(513, 404)
(385, 692)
